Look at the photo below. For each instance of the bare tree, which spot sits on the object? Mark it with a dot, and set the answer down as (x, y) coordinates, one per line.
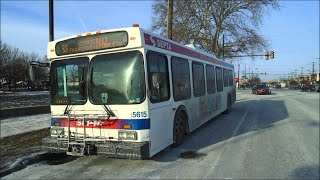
(14, 66)
(255, 80)
(8, 58)
(206, 21)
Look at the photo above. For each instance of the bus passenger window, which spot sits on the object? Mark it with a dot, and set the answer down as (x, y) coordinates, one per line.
(230, 78)
(211, 79)
(225, 77)
(219, 79)
(198, 79)
(180, 78)
(158, 77)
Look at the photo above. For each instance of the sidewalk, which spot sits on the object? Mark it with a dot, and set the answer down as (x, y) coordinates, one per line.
(16, 125)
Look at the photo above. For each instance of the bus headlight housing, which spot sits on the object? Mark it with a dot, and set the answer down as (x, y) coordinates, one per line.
(127, 135)
(56, 131)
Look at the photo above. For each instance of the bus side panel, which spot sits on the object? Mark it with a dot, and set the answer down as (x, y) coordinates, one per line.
(212, 107)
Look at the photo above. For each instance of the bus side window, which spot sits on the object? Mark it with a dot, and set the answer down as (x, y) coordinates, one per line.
(219, 79)
(158, 77)
(230, 78)
(180, 78)
(225, 78)
(211, 79)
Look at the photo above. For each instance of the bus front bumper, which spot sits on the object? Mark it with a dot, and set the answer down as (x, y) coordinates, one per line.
(114, 149)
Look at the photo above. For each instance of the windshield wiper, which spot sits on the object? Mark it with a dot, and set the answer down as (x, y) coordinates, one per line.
(105, 107)
(67, 110)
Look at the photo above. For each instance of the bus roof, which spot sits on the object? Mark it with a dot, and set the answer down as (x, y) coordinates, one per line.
(136, 37)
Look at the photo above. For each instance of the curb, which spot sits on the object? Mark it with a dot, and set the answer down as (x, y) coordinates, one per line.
(21, 111)
(22, 163)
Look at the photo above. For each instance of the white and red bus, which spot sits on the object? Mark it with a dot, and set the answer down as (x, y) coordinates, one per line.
(128, 93)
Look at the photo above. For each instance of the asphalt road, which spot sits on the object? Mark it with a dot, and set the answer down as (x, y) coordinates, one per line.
(265, 136)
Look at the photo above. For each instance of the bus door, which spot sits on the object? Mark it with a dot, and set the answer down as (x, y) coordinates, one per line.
(160, 108)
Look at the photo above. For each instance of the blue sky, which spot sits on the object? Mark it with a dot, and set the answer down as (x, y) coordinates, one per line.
(292, 31)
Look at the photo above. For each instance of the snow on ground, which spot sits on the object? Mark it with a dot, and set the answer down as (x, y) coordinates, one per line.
(24, 99)
(16, 125)
(32, 92)
(24, 92)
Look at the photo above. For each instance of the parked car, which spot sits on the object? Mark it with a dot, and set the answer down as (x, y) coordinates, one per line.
(307, 87)
(261, 89)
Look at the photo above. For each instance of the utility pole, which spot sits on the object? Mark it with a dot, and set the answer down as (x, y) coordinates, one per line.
(51, 32)
(222, 46)
(238, 74)
(312, 67)
(245, 71)
(169, 25)
(301, 71)
(319, 65)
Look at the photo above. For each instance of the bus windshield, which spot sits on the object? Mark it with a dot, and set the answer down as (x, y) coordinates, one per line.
(117, 78)
(68, 79)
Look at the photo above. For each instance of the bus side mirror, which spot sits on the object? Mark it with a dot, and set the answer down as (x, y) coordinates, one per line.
(32, 73)
(32, 69)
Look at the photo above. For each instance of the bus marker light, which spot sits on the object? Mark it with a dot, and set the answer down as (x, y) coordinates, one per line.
(132, 38)
(79, 35)
(127, 126)
(135, 25)
(98, 32)
(88, 34)
(56, 123)
(51, 50)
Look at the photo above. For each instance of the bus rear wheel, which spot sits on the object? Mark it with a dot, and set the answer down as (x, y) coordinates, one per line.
(179, 129)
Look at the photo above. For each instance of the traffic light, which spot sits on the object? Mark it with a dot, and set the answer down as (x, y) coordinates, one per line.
(271, 54)
(266, 55)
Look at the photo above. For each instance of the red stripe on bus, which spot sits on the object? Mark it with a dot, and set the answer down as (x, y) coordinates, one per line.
(163, 44)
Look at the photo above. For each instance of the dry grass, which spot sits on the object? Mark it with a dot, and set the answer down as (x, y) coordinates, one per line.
(16, 146)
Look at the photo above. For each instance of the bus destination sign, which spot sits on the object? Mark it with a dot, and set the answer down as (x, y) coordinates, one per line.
(92, 43)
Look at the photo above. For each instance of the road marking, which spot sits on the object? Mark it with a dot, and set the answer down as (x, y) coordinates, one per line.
(227, 146)
(238, 126)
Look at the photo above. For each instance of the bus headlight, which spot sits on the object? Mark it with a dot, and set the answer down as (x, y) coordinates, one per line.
(57, 131)
(127, 135)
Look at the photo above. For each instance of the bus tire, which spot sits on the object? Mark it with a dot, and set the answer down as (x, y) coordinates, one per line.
(228, 105)
(179, 128)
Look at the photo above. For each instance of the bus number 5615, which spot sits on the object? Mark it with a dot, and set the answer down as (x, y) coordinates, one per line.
(139, 114)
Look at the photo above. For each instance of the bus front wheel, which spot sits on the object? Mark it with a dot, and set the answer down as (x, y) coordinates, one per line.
(179, 128)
